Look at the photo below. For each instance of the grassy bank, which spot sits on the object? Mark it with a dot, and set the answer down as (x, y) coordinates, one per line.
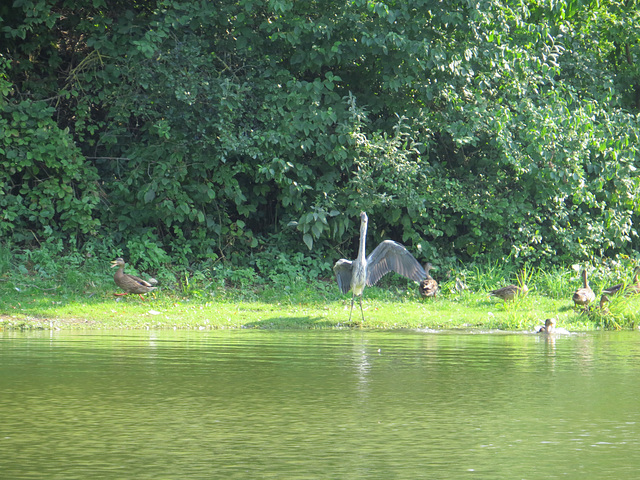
(30, 302)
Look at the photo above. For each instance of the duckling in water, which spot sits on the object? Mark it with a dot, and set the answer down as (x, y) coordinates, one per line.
(549, 328)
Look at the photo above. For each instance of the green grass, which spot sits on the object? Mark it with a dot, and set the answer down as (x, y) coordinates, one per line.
(304, 308)
(73, 294)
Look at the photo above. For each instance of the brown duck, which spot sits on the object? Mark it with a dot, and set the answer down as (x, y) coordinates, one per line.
(604, 299)
(509, 292)
(130, 283)
(630, 289)
(428, 286)
(584, 295)
(549, 326)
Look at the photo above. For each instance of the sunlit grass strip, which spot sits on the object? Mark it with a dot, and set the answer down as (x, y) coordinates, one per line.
(464, 310)
(74, 300)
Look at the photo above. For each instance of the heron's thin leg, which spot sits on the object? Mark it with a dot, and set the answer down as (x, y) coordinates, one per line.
(353, 297)
(362, 311)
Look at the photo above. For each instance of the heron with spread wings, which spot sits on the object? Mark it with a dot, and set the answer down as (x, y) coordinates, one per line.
(366, 271)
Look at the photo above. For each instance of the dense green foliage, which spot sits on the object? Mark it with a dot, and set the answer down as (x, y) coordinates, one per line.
(254, 132)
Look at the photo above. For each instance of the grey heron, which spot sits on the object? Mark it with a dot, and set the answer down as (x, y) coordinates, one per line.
(366, 271)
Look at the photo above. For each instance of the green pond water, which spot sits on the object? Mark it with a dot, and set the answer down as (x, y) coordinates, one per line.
(318, 405)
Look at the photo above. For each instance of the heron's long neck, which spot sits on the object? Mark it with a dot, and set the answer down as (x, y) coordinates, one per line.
(363, 241)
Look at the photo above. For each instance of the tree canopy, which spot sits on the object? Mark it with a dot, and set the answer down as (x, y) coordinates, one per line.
(188, 131)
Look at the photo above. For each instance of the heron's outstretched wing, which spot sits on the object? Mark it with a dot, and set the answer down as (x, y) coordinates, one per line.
(343, 269)
(392, 256)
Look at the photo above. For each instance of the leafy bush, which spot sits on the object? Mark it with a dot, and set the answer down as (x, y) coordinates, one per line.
(185, 131)
(46, 186)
